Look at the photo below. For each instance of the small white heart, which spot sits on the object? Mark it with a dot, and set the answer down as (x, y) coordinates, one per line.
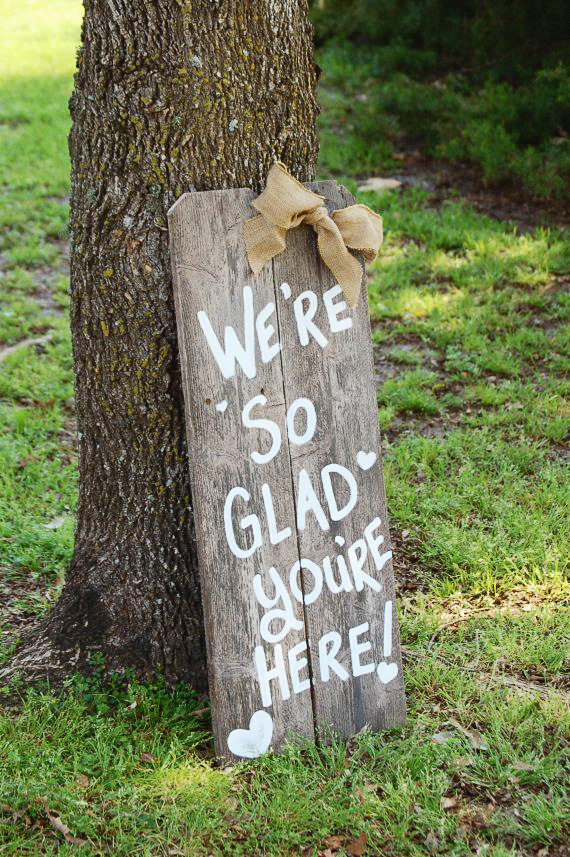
(365, 460)
(286, 289)
(387, 672)
(221, 406)
(339, 540)
(253, 742)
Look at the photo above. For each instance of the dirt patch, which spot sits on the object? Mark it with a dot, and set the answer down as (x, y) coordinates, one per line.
(407, 569)
(20, 600)
(444, 179)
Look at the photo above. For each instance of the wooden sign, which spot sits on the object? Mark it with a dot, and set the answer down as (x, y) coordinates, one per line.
(287, 486)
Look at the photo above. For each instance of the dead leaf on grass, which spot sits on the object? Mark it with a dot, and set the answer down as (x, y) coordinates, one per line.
(147, 757)
(16, 816)
(58, 825)
(442, 737)
(432, 842)
(448, 802)
(82, 781)
(334, 843)
(476, 740)
(358, 846)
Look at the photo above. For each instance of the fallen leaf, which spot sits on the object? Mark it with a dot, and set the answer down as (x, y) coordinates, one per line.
(82, 781)
(60, 827)
(16, 816)
(448, 802)
(56, 523)
(334, 842)
(147, 757)
(442, 737)
(476, 740)
(358, 846)
(58, 824)
(75, 840)
(432, 842)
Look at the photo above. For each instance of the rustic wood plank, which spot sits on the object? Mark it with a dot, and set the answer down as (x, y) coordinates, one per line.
(210, 271)
(339, 380)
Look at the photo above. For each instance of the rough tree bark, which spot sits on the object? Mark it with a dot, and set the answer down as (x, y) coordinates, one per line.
(168, 94)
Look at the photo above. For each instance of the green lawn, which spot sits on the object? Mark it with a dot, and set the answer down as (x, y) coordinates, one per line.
(472, 339)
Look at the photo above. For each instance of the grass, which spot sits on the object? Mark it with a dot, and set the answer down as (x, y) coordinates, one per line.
(471, 332)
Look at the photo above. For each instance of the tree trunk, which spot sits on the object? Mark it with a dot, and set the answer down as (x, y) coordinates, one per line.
(169, 94)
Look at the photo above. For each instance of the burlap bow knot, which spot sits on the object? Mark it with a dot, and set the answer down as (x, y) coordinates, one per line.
(286, 203)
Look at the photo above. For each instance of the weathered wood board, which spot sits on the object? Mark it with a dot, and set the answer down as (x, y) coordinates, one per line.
(287, 485)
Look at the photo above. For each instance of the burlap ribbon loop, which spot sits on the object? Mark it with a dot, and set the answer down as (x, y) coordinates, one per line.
(285, 204)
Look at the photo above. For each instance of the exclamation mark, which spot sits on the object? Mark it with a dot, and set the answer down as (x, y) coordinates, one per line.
(387, 672)
(387, 629)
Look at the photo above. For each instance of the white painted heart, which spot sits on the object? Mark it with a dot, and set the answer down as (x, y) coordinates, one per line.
(339, 540)
(286, 289)
(387, 672)
(221, 406)
(253, 742)
(365, 460)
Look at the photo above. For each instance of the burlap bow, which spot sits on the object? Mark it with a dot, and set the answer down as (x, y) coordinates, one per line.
(286, 203)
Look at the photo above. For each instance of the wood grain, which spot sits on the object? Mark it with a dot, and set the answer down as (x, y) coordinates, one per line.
(339, 380)
(210, 271)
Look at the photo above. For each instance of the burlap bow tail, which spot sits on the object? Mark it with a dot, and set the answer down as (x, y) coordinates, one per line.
(286, 203)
